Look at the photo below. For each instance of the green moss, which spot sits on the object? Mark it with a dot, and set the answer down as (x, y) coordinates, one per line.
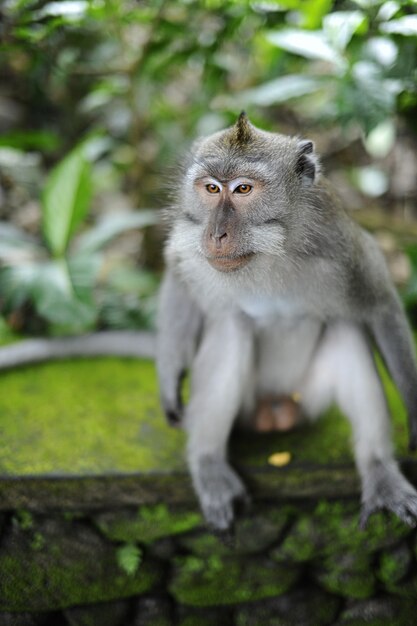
(217, 580)
(332, 528)
(253, 533)
(24, 519)
(394, 564)
(85, 417)
(148, 524)
(102, 415)
(71, 567)
(348, 574)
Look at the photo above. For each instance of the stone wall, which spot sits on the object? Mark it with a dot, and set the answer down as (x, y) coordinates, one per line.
(99, 525)
(286, 564)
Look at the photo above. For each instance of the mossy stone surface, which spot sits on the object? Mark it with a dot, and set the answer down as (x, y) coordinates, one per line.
(332, 528)
(218, 580)
(197, 616)
(394, 564)
(100, 420)
(61, 563)
(252, 533)
(379, 611)
(103, 415)
(309, 606)
(85, 417)
(347, 574)
(105, 614)
(147, 524)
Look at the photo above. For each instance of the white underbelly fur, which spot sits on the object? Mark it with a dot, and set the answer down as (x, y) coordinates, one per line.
(285, 349)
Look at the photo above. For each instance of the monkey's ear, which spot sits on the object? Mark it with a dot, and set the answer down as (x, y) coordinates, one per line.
(307, 166)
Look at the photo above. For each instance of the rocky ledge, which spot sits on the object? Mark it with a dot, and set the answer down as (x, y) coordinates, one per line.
(99, 525)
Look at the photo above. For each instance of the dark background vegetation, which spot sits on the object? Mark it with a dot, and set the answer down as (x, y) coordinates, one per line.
(100, 98)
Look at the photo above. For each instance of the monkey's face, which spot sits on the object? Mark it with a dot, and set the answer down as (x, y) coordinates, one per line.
(240, 194)
(227, 204)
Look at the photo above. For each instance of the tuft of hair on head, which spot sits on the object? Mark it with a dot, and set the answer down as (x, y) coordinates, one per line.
(242, 131)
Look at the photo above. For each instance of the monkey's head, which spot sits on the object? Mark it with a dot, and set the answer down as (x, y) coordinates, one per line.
(243, 193)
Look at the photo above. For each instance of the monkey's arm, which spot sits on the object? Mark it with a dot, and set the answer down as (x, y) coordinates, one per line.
(179, 326)
(395, 342)
(387, 321)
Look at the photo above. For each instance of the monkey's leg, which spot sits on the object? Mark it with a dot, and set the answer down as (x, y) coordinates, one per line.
(220, 372)
(344, 371)
(179, 323)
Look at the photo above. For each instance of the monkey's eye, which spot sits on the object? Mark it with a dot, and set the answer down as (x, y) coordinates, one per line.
(212, 188)
(244, 188)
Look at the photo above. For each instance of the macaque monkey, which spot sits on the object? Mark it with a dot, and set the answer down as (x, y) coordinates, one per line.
(272, 290)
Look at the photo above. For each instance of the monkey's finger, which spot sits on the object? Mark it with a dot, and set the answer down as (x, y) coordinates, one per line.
(365, 514)
(173, 416)
(220, 517)
(404, 515)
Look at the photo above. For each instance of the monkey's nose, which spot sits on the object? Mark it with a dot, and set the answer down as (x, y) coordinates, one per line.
(219, 240)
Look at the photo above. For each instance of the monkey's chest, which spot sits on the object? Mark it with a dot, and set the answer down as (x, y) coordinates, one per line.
(286, 339)
(265, 310)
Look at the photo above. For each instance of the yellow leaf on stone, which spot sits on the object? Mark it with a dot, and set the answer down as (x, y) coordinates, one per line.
(279, 459)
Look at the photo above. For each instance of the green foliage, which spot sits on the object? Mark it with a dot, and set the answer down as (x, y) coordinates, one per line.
(143, 80)
(24, 519)
(129, 558)
(60, 279)
(354, 63)
(66, 200)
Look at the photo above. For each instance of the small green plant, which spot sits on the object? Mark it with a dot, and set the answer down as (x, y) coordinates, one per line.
(129, 557)
(57, 273)
(23, 519)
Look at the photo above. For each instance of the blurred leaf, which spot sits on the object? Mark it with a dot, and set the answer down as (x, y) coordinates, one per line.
(406, 25)
(16, 245)
(129, 558)
(314, 11)
(70, 9)
(371, 180)
(388, 10)
(309, 44)
(31, 140)
(340, 26)
(113, 225)
(57, 301)
(66, 200)
(84, 270)
(281, 89)
(49, 285)
(382, 49)
(381, 139)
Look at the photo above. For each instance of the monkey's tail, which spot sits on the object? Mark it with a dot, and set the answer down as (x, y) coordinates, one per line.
(134, 344)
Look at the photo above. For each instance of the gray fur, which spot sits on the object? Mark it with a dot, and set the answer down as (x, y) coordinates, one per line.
(290, 291)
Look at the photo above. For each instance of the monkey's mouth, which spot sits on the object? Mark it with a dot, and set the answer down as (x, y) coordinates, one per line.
(229, 263)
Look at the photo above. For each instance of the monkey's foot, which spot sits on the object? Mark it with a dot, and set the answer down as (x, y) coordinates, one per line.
(386, 488)
(280, 413)
(218, 488)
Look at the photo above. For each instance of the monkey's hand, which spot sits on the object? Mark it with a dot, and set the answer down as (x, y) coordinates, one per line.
(173, 413)
(218, 488)
(386, 488)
